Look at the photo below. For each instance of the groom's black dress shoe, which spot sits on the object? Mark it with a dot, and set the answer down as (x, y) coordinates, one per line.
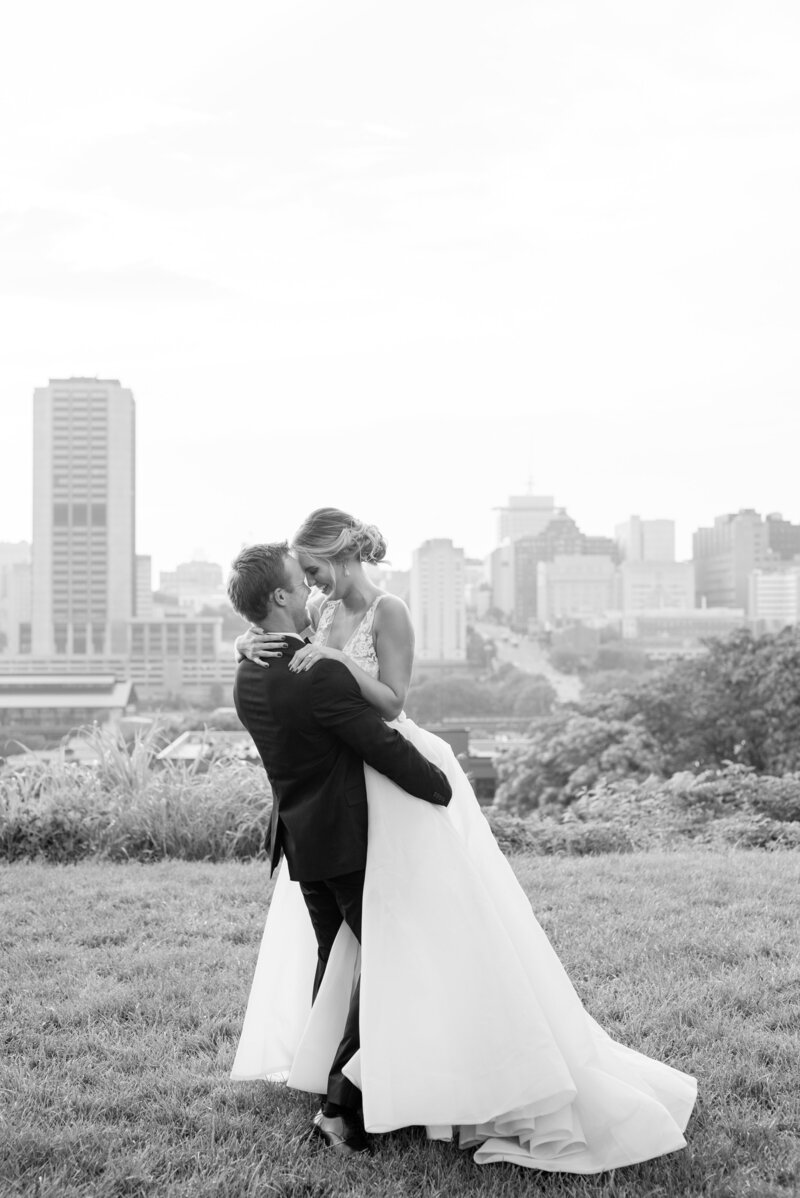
(343, 1133)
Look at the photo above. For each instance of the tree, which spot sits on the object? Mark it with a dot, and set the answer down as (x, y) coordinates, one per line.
(600, 682)
(449, 697)
(620, 656)
(517, 693)
(738, 703)
(535, 697)
(567, 661)
(478, 653)
(569, 752)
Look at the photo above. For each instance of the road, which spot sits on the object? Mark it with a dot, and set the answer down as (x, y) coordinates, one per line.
(527, 655)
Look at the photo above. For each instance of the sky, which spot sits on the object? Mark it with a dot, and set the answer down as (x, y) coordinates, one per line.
(408, 259)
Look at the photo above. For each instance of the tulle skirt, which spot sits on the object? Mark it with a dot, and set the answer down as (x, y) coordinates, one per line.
(468, 1020)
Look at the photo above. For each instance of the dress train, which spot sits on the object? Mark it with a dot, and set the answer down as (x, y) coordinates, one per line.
(468, 1018)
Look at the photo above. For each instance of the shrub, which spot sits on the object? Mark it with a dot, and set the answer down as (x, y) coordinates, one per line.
(131, 806)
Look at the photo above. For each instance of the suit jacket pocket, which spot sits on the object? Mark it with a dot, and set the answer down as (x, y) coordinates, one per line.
(355, 795)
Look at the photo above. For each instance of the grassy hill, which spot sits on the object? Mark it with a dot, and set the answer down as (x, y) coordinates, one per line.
(125, 986)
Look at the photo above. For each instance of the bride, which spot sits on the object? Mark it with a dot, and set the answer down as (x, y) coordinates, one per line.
(468, 1020)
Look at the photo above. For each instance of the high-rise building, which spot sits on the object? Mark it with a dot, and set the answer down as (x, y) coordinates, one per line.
(646, 540)
(438, 604)
(524, 516)
(84, 577)
(725, 556)
(783, 538)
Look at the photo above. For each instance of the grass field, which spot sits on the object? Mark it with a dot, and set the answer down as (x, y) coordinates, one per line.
(123, 988)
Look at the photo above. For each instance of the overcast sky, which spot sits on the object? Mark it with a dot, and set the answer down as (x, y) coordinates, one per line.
(404, 258)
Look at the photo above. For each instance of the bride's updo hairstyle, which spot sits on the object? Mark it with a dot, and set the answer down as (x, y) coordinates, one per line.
(330, 534)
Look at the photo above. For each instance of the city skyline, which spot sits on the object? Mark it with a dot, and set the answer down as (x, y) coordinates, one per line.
(546, 503)
(567, 252)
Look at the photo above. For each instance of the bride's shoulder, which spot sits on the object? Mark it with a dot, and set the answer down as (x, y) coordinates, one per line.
(391, 614)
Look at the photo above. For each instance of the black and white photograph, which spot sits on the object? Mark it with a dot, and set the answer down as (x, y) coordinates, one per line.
(400, 599)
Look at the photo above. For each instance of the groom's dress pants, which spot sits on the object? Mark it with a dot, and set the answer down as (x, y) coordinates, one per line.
(329, 902)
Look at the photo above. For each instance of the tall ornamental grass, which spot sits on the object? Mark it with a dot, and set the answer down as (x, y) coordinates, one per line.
(129, 805)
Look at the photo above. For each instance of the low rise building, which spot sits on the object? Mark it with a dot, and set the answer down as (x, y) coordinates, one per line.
(499, 569)
(15, 607)
(656, 585)
(774, 601)
(178, 658)
(143, 607)
(182, 657)
(666, 632)
(53, 700)
(195, 584)
(577, 587)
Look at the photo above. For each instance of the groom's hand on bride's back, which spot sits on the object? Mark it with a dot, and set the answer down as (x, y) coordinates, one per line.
(337, 703)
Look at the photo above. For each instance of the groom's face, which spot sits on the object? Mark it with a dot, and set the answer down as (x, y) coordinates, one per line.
(296, 593)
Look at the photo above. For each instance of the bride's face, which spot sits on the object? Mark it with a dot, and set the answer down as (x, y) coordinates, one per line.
(320, 574)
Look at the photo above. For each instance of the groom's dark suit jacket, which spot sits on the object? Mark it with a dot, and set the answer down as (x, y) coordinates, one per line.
(314, 731)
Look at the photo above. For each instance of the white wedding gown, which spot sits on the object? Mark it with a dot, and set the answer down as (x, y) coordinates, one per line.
(468, 1020)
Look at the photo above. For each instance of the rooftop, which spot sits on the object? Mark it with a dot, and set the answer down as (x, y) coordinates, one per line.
(64, 690)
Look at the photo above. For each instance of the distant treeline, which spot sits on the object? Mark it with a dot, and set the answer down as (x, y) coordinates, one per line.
(738, 703)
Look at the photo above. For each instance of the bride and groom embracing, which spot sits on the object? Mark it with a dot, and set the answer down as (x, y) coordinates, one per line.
(402, 973)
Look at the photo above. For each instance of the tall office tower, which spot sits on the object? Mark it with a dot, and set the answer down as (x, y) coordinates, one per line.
(646, 540)
(438, 601)
(724, 557)
(783, 538)
(84, 574)
(524, 516)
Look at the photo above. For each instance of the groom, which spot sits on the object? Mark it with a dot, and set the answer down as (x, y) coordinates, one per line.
(314, 731)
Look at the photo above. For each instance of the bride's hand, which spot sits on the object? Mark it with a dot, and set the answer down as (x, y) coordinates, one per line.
(306, 657)
(257, 645)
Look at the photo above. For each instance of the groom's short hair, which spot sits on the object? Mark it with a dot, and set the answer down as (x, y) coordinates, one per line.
(256, 572)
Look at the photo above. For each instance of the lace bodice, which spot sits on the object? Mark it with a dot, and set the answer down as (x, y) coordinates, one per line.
(359, 646)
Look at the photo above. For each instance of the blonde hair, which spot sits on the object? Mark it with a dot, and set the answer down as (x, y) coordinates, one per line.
(330, 534)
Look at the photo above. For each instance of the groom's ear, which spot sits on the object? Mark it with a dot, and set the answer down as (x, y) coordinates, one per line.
(278, 596)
